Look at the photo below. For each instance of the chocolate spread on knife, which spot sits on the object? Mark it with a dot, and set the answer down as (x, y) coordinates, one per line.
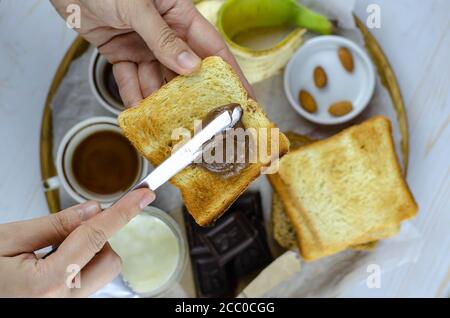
(234, 153)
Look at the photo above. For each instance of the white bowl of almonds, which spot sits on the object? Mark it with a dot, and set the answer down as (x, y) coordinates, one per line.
(329, 80)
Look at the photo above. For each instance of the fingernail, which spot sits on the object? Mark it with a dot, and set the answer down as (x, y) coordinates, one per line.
(146, 199)
(188, 61)
(89, 209)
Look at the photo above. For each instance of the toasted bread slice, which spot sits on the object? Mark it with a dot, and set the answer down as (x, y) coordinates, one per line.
(283, 230)
(345, 190)
(180, 103)
(366, 247)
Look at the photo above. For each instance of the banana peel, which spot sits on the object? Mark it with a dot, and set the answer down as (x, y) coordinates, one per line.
(210, 9)
(234, 16)
(257, 65)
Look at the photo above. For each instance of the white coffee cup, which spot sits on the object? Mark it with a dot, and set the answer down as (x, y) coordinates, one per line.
(64, 157)
(97, 67)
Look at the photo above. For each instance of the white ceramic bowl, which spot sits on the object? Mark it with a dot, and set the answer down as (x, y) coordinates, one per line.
(357, 87)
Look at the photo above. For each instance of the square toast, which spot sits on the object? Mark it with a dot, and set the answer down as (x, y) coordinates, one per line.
(344, 191)
(178, 104)
(283, 230)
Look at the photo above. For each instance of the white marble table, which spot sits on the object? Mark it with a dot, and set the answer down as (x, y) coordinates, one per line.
(415, 35)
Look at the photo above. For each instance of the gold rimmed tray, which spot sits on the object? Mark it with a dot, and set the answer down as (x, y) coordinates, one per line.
(80, 46)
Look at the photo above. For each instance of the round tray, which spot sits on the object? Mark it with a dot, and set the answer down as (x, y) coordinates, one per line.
(79, 46)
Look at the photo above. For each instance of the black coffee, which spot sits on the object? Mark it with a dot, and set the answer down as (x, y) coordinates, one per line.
(110, 83)
(105, 163)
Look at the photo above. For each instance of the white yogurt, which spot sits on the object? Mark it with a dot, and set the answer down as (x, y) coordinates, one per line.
(150, 252)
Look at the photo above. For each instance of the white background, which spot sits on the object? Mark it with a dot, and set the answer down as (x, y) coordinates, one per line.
(415, 35)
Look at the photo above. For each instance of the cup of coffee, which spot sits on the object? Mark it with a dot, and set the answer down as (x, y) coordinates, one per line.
(103, 84)
(96, 162)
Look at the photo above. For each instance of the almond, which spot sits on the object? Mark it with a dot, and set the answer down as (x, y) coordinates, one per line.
(307, 101)
(340, 108)
(346, 59)
(320, 77)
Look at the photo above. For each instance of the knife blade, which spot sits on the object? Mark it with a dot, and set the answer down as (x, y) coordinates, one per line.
(189, 151)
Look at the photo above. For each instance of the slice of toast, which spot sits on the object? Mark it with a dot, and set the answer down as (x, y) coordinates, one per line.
(283, 230)
(180, 103)
(345, 190)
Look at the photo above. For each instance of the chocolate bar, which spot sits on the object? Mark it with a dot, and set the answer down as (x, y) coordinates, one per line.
(234, 246)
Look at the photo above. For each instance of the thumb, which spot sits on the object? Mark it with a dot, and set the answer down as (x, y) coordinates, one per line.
(31, 235)
(89, 238)
(164, 42)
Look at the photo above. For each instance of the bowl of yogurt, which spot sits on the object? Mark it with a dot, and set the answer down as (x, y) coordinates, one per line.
(153, 252)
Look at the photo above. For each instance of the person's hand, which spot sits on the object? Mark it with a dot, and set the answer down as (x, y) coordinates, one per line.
(81, 234)
(148, 41)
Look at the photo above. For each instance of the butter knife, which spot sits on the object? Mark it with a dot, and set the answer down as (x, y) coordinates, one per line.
(189, 151)
(186, 154)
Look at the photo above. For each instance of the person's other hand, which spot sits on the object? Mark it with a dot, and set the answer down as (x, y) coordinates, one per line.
(149, 41)
(81, 234)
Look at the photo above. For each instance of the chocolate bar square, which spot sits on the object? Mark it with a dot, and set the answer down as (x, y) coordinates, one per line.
(232, 247)
(229, 238)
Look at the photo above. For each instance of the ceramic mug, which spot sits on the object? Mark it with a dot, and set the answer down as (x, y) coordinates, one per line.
(65, 175)
(102, 82)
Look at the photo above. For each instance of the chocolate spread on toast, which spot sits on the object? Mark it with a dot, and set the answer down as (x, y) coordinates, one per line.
(227, 154)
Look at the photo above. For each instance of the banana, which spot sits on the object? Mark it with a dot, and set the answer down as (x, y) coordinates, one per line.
(236, 17)
(239, 15)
